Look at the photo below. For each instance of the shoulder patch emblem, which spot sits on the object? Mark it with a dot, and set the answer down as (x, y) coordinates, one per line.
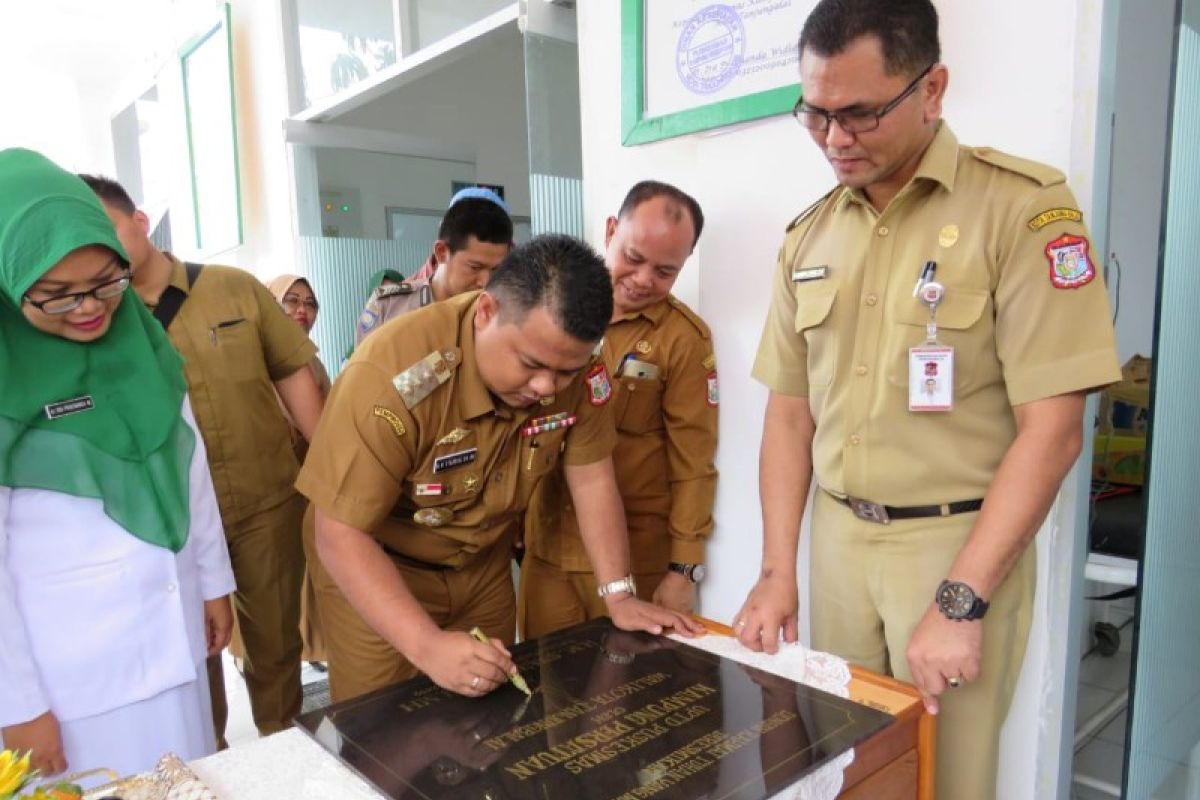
(710, 361)
(599, 388)
(391, 418)
(1070, 264)
(713, 398)
(394, 288)
(418, 381)
(1042, 174)
(803, 215)
(367, 320)
(1054, 215)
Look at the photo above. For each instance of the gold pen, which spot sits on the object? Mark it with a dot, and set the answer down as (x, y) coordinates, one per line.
(515, 676)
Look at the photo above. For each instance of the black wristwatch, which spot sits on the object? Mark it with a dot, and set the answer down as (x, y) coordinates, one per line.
(958, 602)
(693, 572)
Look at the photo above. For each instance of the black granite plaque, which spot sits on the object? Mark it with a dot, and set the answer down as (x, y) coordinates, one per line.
(614, 715)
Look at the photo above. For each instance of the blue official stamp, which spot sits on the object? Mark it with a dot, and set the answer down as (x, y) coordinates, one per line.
(710, 50)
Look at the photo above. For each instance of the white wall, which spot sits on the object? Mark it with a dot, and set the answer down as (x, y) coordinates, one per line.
(260, 86)
(388, 180)
(752, 179)
(479, 102)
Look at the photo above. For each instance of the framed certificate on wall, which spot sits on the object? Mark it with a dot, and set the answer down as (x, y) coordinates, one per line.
(207, 66)
(692, 65)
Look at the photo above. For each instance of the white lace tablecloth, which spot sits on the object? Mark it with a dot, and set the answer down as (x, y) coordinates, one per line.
(290, 764)
(818, 670)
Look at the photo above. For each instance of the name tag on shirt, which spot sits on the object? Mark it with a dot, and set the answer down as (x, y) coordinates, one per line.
(803, 274)
(68, 407)
(457, 459)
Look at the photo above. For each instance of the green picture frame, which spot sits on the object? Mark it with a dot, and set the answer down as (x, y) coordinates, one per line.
(637, 128)
(206, 67)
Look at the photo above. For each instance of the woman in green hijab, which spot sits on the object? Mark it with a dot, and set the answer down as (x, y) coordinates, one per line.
(114, 576)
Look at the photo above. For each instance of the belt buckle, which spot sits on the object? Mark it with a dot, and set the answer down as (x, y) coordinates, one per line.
(868, 511)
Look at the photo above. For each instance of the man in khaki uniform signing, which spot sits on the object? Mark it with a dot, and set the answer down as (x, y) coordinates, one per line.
(474, 236)
(935, 324)
(431, 443)
(660, 355)
(239, 349)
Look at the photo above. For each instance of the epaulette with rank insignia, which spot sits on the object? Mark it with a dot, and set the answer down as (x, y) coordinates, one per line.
(1044, 174)
(418, 381)
(393, 289)
(806, 213)
(690, 315)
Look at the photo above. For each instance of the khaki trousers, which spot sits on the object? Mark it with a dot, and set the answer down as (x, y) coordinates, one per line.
(360, 660)
(268, 565)
(551, 598)
(871, 584)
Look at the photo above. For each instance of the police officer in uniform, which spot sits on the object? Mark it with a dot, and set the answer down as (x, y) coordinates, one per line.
(239, 350)
(474, 236)
(660, 355)
(433, 439)
(935, 324)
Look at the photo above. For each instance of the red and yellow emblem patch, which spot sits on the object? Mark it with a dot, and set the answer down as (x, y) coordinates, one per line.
(1070, 264)
(599, 388)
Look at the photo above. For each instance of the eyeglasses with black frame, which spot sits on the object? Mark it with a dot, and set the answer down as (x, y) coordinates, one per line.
(818, 120)
(66, 303)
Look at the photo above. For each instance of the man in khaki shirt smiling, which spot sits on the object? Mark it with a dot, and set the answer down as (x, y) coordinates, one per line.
(239, 349)
(660, 354)
(936, 322)
(431, 443)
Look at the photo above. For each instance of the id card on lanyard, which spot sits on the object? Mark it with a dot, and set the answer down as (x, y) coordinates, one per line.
(930, 365)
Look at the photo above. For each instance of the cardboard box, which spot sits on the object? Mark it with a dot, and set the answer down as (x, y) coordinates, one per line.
(1120, 458)
(1125, 406)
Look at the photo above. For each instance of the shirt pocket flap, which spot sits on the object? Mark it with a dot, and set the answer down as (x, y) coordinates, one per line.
(813, 306)
(959, 309)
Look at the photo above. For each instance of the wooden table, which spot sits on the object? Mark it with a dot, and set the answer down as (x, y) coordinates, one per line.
(896, 763)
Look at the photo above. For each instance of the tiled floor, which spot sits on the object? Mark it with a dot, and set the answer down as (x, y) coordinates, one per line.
(1102, 755)
(240, 728)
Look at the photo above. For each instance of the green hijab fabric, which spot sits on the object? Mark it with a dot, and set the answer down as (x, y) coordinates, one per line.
(129, 446)
(379, 276)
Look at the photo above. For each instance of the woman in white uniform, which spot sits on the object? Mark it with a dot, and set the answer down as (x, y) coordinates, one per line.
(114, 574)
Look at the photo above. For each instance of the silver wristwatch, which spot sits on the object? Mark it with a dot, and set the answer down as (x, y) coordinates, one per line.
(625, 584)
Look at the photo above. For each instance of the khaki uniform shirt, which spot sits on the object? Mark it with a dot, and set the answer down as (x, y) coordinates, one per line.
(667, 440)
(235, 342)
(1022, 326)
(389, 302)
(439, 472)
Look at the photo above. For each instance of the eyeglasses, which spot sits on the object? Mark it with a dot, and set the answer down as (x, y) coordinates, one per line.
(291, 302)
(853, 121)
(65, 303)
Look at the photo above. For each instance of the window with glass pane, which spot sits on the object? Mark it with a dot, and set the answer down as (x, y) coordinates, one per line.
(343, 42)
(424, 22)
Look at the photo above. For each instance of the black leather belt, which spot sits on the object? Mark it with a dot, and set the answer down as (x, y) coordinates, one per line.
(874, 512)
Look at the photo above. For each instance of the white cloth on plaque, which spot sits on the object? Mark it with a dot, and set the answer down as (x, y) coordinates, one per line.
(794, 661)
(106, 630)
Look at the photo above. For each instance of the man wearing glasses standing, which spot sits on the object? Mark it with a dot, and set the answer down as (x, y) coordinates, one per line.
(936, 322)
(239, 349)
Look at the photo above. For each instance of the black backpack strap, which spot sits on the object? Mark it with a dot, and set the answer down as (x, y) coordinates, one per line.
(172, 297)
